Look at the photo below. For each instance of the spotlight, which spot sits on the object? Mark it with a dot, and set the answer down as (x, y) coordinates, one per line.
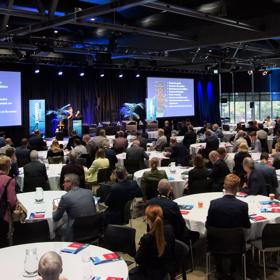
(102, 75)
(250, 72)
(137, 75)
(216, 71)
(55, 31)
(37, 71)
(60, 73)
(120, 74)
(82, 74)
(92, 19)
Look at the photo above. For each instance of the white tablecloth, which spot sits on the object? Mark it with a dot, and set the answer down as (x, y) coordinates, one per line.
(197, 128)
(153, 154)
(228, 135)
(194, 148)
(174, 178)
(152, 134)
(53, 172)
(196, 218)
(74, 265)
(29, 203)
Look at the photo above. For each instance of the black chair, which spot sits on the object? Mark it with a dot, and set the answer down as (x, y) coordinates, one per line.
(56, 159)
(270, 242)
(226, 243)
(151, 189)
(103, 175)
(32, 232)
(165, 162)
(264, 146)
(127, 213)
(88, 229)
(120, 239)
(87, 157)
(132, 166)
(226, 127)
(276, 164)
(181, 256)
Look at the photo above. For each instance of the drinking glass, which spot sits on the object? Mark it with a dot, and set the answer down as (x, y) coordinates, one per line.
(31, 261)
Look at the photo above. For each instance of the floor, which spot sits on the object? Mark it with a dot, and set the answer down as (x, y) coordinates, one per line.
(255, 272)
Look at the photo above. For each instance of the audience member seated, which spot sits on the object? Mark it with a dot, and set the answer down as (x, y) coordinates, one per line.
(268, 172)
(255, 181)
(189, 137)
(79, 148)
(98, 140)
(11, 153)
(252, 126)
(238, 161)
(99, 162)
(36, 142)
(161, 142)
(110, 155)
(276, 156)
(239, 138)
(212, 142)
(277, 127)
(35, 174)
(156, 248)
(228, 212)
(8, 144)
(23, 153)
(137, 153)
(50, 267)
(167, 130)
(143, 140)
(55, 150)
(179, 152)
(120, 143)
(171, 213)
(120, 193)
(90, 146)
(218, 172)
(229, 160)
(73, 135)
(217, 131)
(152, 177)
(77, 202)
(9, 184)
(197, 181)
(73, 167)
(2, 139)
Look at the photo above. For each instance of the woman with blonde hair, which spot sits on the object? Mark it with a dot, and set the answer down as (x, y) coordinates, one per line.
(156, 249)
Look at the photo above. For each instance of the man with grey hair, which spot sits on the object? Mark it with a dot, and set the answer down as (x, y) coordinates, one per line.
(35, 174)
(171, 212)
(255, 179)
(50, 267)
(137, 153)
(77, 202)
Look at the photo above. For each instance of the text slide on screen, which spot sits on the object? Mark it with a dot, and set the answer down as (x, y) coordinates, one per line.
(10, 98)
(169, 97)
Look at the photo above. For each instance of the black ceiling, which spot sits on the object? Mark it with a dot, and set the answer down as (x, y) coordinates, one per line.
(179, 35)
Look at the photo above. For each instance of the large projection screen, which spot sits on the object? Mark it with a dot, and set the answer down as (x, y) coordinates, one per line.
(10, 98)
(169, 97)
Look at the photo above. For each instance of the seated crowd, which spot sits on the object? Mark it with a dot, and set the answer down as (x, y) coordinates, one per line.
(214, 170)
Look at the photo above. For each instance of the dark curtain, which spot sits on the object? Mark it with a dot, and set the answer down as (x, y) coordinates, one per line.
(99, 99)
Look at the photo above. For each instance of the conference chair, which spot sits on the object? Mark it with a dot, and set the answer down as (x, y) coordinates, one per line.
(270, 242)
(31, 232)
(103, 175)
(127, 213)
(132, 165)
(88, 229)
(118, 238)
(150, 191)
(56, 159)
(225, 243)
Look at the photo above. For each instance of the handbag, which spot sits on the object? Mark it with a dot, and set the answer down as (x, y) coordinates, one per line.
(19, 214)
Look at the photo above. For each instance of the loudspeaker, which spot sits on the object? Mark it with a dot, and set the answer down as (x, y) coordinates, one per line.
(103, 57)
(223, 100)
(252, 105)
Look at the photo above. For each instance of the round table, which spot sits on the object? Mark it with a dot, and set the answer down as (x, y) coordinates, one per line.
(194, 148)
(28, 201)
(196, 218)
(175, 179)
(53, 172)
(152, 154)
(75, 266)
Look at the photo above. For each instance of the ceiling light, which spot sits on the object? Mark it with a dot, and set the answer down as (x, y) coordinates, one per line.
(82, 74)
(215, 71)
(120, 75)
(37, 71)
(102, 75)
(92, 19)
(250, 72)
(137, 75)
(55, 31)
(60, 73)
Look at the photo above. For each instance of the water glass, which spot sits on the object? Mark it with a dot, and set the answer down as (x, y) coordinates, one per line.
(39, 195)
(31, 261)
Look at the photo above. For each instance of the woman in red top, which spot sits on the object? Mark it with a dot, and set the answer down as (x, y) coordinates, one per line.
(9, 184)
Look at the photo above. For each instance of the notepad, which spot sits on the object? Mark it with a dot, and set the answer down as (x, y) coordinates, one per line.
(74, 248)
(272, 203)
(256, 218)
(270, 210)
(111, 257)
(108, 278)
(37, 215)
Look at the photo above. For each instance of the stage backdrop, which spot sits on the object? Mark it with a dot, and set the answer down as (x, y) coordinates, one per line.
(99, 99)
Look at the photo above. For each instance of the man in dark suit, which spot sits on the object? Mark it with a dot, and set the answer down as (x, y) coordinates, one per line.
(35, 174)
(22, 153)
(212, 142)
(255, 180)
(189, 137)
(179, 152)
(121, 192)
(171, 213)
(137, 153)
(268, 172)
(77, 202)
(70, 143)
(143, 140)
(36, 142)
(219, 171)
(228, 212)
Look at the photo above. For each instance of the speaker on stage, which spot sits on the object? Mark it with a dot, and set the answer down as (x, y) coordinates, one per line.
(252, 105)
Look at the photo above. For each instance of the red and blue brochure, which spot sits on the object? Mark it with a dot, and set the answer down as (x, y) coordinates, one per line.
(74, 248)
(241, 194)
(256, 218)
(37, 215)
(108, 278)
(110, 257)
